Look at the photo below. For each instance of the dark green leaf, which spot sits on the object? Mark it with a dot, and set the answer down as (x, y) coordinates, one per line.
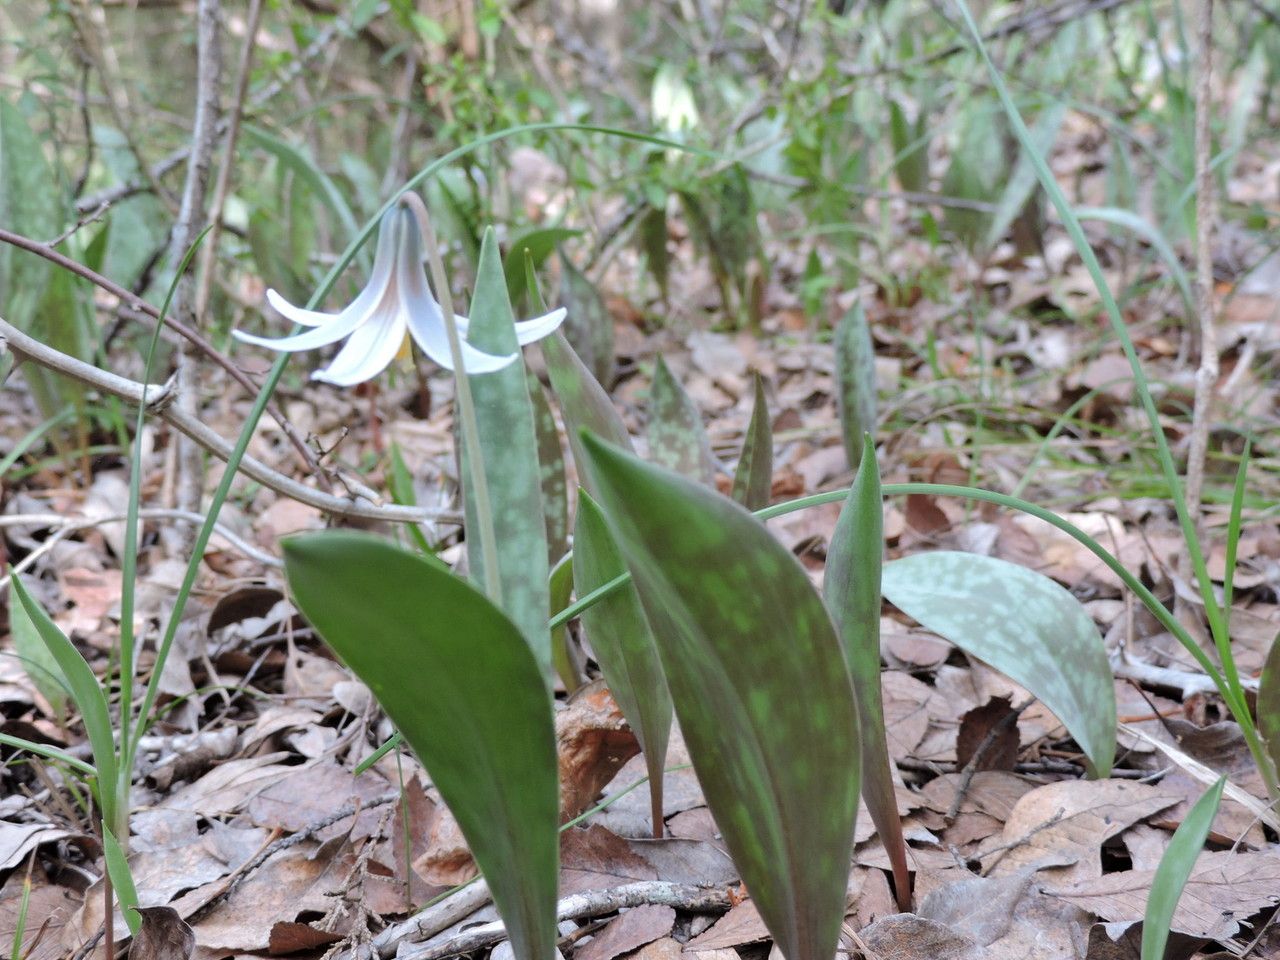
(653, 237)
(856, 378)
(851, 587)
(677, 439)
(759, 686)
(623, 644)
(1174, 870)
(504, 415)
(456, 677)
(910, 148)
(560, 584)
(753, 479)
(402, 492)
(588, 325)
(1024, 625)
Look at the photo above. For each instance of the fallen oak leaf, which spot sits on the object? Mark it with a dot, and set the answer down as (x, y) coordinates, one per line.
(164, 935)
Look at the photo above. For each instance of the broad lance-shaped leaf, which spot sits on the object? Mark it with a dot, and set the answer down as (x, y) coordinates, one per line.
(459, 681)
(677, 439)
(753, 479)
(88, 697)
(583, 402)
(623, 645)
(851, 587)
(504, 415)
(1175, 869)
(1024, 625)
(856, 380)
(759, 685)
(37, 661)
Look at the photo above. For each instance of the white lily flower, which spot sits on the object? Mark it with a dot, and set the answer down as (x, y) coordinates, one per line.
(396, 302)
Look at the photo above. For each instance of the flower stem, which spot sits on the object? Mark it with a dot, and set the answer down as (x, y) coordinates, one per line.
(466, 407)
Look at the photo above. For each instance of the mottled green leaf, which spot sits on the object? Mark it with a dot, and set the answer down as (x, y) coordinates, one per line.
(456, 677)
(139, 224)
(677, 439)
(623, 644)
(1269, 702)
(976, 170)
(851, 587)
(759, 685)
(504, 415)
(1024, 625)
(555, 490)
(583, 402)
(588, 324)
(535, 245)
(1175, 869)
(85, 691)
(910, 148)
(856, 381)
(753, 479)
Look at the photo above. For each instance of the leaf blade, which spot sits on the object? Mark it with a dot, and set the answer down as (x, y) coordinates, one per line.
(496, 767)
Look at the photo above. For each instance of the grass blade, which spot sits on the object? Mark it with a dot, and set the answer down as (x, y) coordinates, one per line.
(770, 725)
(457, 678)
(1175, 869)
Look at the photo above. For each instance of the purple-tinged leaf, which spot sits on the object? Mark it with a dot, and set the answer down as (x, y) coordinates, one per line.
(851, 587)
(759, 685)
(753, 479)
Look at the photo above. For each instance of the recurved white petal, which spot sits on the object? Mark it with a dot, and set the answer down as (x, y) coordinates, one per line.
(299, 315)
(331, 332)
(527, 331)
(367, 352)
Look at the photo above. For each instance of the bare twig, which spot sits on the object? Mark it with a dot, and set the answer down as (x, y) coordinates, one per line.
(208, 253)
(134, 303)
(189, 465)
(430, 921)
(1207, 373)
(363, 504)
(591, 903)
(65, 526)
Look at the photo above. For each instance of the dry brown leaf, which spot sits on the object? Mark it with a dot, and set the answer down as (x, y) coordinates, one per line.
(596, 859)
(163, 936)
(1224, 889)
(593, 742)
(629, 931)
(1062, 826)
(49, 908)
(995, 719)
(905, 936)
(741, 925)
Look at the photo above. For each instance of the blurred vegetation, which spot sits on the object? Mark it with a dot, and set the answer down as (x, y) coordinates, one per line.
(843, 143)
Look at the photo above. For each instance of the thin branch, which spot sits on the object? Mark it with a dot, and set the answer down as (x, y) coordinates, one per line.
(363, 504)
(208, 253)
(136, 303)
(580, 906)
(69, 526)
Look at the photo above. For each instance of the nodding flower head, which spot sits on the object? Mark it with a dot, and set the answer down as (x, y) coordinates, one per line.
(397, 302)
